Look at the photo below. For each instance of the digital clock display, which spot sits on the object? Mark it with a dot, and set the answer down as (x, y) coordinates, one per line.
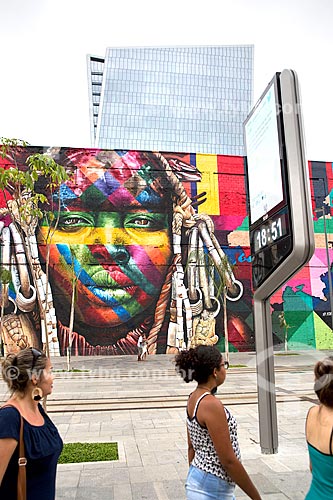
(269, 232)
(271, 242)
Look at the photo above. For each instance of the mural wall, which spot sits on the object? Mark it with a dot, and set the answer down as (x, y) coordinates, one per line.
(153, 244)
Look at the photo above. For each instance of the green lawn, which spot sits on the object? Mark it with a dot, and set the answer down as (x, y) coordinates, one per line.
(286, 353)
(88, 452)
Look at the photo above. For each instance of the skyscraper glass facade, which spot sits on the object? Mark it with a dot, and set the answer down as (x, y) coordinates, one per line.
(171, 98)
(95, 79)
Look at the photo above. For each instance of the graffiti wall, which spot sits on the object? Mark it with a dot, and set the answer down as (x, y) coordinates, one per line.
(305, 299)
(143, 243)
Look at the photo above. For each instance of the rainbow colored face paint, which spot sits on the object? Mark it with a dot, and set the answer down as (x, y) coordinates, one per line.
(113, 237)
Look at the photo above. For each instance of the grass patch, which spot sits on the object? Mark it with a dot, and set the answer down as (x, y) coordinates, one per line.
(88, 452)
(238, 366)
(287, 354)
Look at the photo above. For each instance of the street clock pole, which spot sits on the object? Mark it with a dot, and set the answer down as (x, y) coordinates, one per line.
(281, 226)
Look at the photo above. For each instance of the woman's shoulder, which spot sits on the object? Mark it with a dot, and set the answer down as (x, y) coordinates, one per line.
(203, 398)
(210, 402)
(9, 411)
(312, 412)
(10, 421)
(196, 401)
(311, 418)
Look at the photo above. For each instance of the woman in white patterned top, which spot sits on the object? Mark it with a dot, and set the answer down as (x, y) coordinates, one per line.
(213, 451)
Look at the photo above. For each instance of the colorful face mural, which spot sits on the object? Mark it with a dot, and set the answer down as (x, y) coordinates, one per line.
(114, 232)
(138, 247)
(130, 254)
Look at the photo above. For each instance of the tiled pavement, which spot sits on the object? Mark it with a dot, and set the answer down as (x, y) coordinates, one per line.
(152, 461)
(152, 455)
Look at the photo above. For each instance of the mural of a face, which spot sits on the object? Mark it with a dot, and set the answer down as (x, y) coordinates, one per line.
(113, 236)
(124, 227)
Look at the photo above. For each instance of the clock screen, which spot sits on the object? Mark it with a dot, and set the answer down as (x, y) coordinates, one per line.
(263, 157)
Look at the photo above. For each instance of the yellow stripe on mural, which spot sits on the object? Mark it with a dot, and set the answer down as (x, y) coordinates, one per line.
(111, 236)
(207, 165)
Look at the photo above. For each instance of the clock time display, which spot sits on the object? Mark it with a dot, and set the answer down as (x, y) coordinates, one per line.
(271, 242)
(269, 232)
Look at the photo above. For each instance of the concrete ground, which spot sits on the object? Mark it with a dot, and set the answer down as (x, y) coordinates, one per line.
(141, 406)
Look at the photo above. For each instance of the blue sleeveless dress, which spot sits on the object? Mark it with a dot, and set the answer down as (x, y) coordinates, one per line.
(43, 446)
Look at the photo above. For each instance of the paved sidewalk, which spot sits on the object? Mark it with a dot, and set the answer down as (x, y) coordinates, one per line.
(153, 464)
(152, 461)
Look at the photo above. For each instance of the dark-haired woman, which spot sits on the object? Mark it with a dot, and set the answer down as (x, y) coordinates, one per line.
(213, 450)
(319, 433)
(28, 375)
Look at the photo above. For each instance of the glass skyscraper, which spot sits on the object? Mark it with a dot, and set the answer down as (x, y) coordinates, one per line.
(191, 99)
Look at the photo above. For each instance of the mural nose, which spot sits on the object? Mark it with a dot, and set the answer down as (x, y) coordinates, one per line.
(106, 255)
(119, 254)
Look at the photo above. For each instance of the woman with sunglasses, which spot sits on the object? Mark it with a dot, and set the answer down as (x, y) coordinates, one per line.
(29, 377)
(213, 450)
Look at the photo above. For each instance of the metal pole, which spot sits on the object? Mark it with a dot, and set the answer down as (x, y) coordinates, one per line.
(328, 268)
(268, 428)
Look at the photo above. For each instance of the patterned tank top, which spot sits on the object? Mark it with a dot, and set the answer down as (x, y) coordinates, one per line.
(205, 457)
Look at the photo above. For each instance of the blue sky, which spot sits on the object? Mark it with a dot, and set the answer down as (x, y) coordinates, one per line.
(43, 47)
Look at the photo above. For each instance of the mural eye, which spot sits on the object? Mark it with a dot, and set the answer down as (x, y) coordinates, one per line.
(73, 222)
(153, 222)
(142, 222)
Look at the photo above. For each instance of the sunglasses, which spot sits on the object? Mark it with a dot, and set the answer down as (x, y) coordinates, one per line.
(35, 355)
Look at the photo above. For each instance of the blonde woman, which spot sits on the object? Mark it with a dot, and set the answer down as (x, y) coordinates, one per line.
(28, 375)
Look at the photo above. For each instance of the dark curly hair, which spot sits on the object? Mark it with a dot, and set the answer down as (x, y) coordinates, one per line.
(18, 368)
(198, 363)
(323, 386)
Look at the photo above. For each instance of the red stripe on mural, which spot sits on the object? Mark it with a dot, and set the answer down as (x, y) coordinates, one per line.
(232, 192)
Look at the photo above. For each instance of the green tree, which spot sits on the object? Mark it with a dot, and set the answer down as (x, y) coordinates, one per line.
(27, 207)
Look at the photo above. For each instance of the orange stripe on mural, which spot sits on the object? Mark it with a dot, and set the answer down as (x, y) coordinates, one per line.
(207, 165)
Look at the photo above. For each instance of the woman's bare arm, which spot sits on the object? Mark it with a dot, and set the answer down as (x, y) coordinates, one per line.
(7, 448)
